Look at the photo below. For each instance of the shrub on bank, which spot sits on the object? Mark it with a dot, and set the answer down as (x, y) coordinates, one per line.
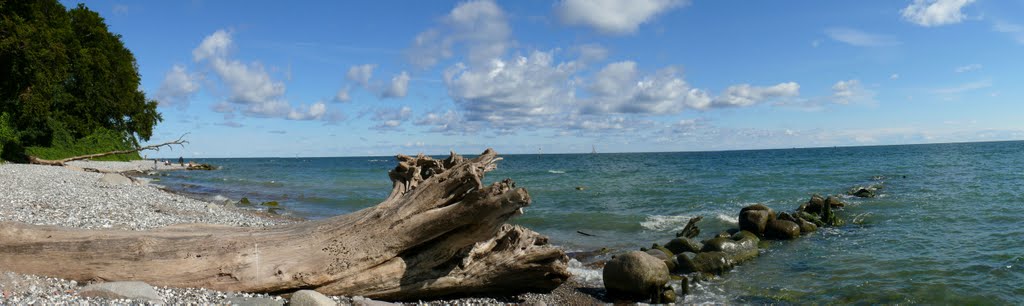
(100, 140)
(8, 138)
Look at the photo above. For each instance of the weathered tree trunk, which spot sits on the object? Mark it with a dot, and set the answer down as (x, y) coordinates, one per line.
(441, 232)
(61, 162)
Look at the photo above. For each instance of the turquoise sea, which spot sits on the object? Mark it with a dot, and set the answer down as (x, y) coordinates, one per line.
(948, 227)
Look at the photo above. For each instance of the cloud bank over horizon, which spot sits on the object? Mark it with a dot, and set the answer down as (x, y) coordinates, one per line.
(636, 75)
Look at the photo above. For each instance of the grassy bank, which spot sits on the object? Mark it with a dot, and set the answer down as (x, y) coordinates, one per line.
(63, 144)
(101, 140)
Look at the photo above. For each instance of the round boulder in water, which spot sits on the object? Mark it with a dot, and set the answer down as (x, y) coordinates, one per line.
(834, 202)
(635, 275)
(815, 205)
(755, 220)
(684, 263)
(806, 226)
(782, 229)
(862, 192)
(786, 216)
(713, 262)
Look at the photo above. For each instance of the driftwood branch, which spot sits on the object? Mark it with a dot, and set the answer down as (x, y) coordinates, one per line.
(62, 162)
(441, 232)
(690, 230)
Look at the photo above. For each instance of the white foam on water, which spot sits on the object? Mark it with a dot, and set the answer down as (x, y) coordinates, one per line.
(665, 223)
(219, 198)
(556, 171)
(584, 274)
(728, 219)
(709, 292)
(678, 222)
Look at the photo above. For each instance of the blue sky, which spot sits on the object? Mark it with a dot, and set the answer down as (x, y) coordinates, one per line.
(343, 78)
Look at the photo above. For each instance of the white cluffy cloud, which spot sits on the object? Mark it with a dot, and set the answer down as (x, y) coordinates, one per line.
(507, 92)
(619, 88)
(931, 13)
(391, 118)
(448, 123)
(251, 89)
(399, 86)
(746, 95)
(859, 38)
(480, 26)
(215, 45)
(851, 91)
(614, 16)
(177, 87)
(316, 111)
(361, 74)
(342, 95)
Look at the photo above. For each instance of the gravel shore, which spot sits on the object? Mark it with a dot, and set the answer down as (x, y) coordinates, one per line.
(46, 195)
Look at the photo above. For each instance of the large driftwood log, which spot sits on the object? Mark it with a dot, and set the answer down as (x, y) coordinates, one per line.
(62, 162)
(440, 232)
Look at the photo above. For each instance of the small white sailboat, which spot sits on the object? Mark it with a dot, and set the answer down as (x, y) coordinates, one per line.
(593, 150)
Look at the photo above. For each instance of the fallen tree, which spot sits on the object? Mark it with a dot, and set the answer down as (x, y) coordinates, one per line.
(62, 162)
(440, 232)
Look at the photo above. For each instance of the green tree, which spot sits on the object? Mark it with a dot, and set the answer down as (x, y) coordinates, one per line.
(59, 65)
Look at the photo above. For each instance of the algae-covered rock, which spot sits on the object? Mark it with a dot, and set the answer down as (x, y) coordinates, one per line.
(713, 262)
(635, 275)
(829, 217)
(740, 247)
(811, 218)
(744, 235)
(684, 286)
(754, 221)
(244, 201)
(786, 216)
(201, 167)
(684, 263)
(683, 244)
(814, 205)
(668, 253)
(745, 246)
(756, 207)
(834, 202)
(862, 192)
(782, 229)
(668, 296)
(806, 226)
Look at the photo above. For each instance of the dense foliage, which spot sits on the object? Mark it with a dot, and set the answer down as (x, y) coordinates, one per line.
(65, 80)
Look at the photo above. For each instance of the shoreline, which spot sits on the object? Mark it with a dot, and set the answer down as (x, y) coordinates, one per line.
(72, 197)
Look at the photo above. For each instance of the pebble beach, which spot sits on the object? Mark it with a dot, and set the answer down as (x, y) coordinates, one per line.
(77, 196)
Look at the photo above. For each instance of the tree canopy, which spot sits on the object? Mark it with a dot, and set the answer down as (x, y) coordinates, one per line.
(63, 69)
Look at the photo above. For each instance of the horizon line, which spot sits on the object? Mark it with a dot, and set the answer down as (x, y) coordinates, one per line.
(626, 152)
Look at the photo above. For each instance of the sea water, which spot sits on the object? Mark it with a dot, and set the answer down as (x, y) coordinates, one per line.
(947, 228)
